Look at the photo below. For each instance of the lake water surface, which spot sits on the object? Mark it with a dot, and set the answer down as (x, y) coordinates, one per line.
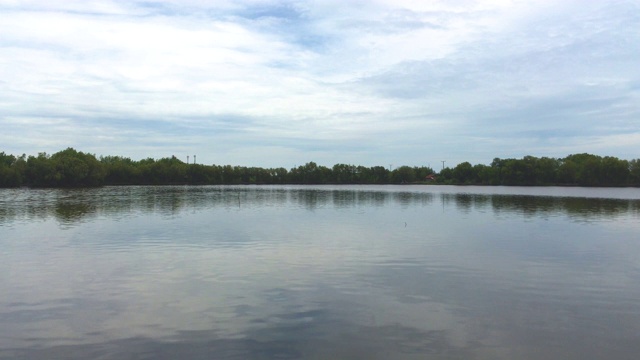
(324, 272)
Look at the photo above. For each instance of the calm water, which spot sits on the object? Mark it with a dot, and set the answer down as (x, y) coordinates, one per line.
(406, 272)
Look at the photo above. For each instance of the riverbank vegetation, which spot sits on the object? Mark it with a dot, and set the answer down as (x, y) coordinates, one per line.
(72, 168)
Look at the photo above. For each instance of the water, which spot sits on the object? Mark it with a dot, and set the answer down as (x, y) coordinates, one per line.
(327, 272)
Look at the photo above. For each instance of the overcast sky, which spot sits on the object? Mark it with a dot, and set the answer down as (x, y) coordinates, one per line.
(282, 83)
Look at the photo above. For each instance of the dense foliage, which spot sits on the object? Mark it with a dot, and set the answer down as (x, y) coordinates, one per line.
(71, 168)
(578, 170)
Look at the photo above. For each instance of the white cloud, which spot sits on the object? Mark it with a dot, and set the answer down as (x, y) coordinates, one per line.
(394, 78)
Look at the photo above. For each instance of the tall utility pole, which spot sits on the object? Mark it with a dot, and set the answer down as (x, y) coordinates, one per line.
(443, 164)
(194, 159)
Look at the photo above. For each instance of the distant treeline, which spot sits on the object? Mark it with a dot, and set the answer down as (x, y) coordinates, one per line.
(71, 168)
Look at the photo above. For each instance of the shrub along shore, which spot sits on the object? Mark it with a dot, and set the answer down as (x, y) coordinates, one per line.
(72, 168)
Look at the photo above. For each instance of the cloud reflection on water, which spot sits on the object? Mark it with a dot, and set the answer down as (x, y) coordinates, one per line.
(279, 272)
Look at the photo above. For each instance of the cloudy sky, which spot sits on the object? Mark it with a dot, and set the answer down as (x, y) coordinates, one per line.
(281, 83)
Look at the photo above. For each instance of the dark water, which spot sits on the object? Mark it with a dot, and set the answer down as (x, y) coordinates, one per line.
(320, 273)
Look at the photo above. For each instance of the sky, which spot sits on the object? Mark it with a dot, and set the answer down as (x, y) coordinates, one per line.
(282, 83)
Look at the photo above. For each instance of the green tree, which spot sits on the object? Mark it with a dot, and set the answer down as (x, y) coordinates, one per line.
(121, 171)
(69, 168)
(73, 168)
(463, 173)
(567, 172)
(485, 175)
(445, 176)
(403, 175)
(279, 175)
(546, 171)
(10, 170)
(40, 171)
(310, 173)
(378, 175)
(422, 172)
(634, 172)
(344, 174)
(614, 172)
